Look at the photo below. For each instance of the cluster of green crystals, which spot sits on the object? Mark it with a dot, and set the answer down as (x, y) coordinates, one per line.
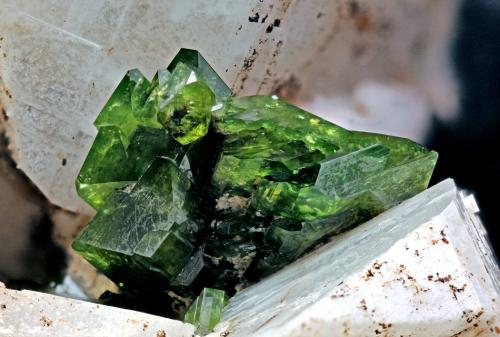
(195, 188)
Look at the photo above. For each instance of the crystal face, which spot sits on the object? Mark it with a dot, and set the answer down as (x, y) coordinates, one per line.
(197, 189)
(206, 310)
(130, 133)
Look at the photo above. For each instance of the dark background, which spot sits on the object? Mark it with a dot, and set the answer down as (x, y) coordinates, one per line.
(469, 147)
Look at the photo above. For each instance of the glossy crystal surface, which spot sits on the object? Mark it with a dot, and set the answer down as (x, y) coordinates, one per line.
(206, 310)
(197, 189)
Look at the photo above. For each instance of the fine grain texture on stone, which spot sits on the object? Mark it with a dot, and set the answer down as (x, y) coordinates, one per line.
(33, 314)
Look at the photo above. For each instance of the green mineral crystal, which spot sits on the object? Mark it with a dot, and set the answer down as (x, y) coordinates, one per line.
(179, 97)
(133, 231)
(187, 115)
(195, 188)
(206, 310)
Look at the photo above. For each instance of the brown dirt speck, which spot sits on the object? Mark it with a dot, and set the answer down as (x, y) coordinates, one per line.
(161, 333)
(385, 325)
(455, 290)
(354, 8)
(363, 22)
(248, 61)
(361, 109)
(361, 17)
(287, 89)
(4, 115)
(443, 279)
(346, 328)
(369, 274)
(46, 322)
(377, 265)
(443, 237)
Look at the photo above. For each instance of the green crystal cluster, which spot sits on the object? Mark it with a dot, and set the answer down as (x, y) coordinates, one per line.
(195, 188)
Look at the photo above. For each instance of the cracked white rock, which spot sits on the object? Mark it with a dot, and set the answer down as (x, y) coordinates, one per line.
(61, 60)
(421, 269)
(33, 314)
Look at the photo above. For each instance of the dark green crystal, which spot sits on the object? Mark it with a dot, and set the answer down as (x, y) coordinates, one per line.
(194, 188)
(133, 232)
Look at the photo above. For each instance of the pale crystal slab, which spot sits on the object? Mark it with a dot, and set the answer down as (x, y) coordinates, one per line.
(421, 269)
(61, 60)
(33, 314)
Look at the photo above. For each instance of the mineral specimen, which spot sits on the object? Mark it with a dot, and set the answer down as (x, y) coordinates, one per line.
(195, 188)
(423, 269)
(206, 310)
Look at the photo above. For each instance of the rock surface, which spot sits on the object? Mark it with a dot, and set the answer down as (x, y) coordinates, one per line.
(28, 313)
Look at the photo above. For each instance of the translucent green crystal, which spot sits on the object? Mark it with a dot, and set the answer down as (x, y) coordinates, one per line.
(306, 178)
(199, 66)
(195, 188)
(179, 97)
(134, 232)
(206, 310)
(112, 160)
(187, 115)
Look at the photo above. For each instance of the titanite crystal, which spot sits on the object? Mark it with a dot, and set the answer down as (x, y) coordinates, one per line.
(195, 188)
(305, 178)
(130, 135)
(156, 219)
(206, 310)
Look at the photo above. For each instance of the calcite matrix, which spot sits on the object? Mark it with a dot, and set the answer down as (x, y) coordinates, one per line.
(196, 188)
